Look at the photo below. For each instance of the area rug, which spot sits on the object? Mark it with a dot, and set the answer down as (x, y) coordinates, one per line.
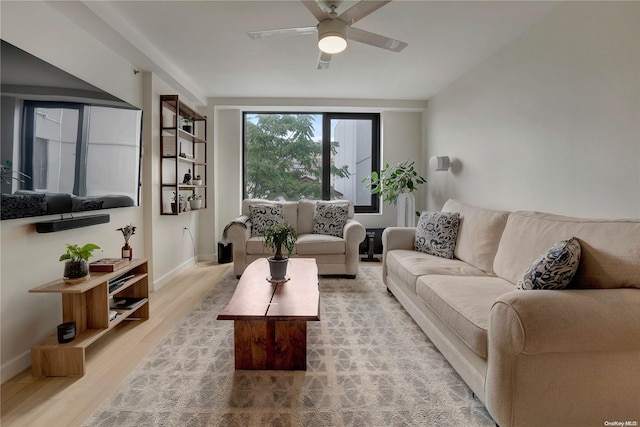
(369, 364)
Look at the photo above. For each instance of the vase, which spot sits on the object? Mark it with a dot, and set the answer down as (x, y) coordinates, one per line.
(75, 271)
(277, 268)
(127, 251)
(406, 206)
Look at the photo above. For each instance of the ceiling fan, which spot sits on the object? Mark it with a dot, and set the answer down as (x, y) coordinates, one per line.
(333, 30)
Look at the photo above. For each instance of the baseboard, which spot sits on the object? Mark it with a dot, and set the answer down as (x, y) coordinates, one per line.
(15, 366)
(159, 283)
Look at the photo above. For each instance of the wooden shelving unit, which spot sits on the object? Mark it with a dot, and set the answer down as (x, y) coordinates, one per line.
(181, 152)
(87, 304)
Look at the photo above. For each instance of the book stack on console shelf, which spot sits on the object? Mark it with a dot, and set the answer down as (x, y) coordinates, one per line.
(124, 303)
(117, 282)
(108, 264)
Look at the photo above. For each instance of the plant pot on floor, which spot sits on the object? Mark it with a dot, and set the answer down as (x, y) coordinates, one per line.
(278, 268)
(75, 271)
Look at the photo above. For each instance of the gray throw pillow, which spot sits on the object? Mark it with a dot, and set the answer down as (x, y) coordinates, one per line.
(437, 233)
(263, 216)
(330, 218)
(555, 268)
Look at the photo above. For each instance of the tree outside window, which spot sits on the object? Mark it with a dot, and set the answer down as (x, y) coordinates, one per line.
(292, 156)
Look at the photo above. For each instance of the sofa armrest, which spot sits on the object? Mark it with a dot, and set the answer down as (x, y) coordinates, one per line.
(238, 232)
(396, 238)
(354, 233)
(563, 349)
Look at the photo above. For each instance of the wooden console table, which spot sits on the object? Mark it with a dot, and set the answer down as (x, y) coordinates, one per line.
(87, 304)
(270, 320)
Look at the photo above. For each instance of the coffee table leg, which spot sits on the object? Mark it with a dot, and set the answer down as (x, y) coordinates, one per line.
(291, 344)
(270, 344)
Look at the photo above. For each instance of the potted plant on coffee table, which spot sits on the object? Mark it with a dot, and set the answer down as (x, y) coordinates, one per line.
(279, 237)
(76, 268)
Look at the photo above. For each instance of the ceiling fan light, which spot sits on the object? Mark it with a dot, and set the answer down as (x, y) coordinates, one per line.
(332, 43)
(332, 36)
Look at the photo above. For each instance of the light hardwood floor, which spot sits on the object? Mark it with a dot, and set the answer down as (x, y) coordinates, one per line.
(61, 402)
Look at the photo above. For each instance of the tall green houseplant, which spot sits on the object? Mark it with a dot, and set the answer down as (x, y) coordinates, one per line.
(394, 180)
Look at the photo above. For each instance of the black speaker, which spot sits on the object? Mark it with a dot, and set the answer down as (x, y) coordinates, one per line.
(225, 253)
(66, 332)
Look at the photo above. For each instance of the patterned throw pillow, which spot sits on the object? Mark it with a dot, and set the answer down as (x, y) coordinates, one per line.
(437, 232)
(554, 269)
(23, 205)
(263, 216)
(330, 218)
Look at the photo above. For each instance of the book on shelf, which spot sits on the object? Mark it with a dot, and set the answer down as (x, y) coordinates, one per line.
(108, 264)
(118, 281)
(124, 303)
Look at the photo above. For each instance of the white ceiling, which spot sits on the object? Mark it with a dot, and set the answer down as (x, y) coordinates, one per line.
(202, 46)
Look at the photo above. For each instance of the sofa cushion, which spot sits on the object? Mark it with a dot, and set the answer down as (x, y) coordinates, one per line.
(610, 249)
(479, 233)
(264, 215)
(255, 246)
(307, 209)
(408, 265)
(463, 304)
(554, 269)
(290, 209)
(436, 233)
(329, 218)
(320, 244)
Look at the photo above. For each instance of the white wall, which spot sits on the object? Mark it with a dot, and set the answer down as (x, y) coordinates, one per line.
(29, 259)
(551, 122)
(401, 140)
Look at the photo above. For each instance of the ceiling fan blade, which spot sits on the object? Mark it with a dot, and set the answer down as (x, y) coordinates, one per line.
(373, 39)
(324, 59)
(360, 10)
(318, 10)
(255, 35)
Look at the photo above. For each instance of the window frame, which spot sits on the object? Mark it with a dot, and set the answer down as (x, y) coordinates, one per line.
(327, 116)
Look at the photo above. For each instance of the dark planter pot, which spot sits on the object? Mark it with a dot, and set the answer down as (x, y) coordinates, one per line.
(187, 128)
(278, 268)
(76, 271)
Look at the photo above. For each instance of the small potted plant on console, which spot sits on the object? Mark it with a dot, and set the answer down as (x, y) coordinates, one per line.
(278, 237)
(76, 268)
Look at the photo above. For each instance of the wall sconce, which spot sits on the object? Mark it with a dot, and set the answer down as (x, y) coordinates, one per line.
(439, 163)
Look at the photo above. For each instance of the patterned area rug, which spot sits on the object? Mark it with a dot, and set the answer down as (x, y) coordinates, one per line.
(369, 364)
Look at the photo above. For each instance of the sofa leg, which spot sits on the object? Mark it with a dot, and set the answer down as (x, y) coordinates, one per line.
(238, 276)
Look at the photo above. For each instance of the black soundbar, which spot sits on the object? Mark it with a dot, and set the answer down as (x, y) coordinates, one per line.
(69, 223)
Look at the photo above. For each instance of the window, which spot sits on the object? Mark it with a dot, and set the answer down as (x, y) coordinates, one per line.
(292, 156)
(75, 148)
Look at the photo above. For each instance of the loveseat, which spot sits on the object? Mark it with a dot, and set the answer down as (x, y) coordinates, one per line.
(535, 357)
(334, 254)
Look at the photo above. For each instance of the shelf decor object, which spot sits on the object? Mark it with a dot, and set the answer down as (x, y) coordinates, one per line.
(183, 156)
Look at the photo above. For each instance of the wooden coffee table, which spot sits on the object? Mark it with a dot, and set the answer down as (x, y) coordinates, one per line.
(270, 320)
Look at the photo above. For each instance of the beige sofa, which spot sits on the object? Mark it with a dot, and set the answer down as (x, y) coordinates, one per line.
(334, 255)
(533, 357)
